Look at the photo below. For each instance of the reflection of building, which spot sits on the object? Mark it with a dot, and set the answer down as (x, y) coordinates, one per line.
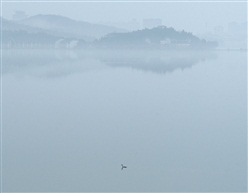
(151, 23)
(18, 15)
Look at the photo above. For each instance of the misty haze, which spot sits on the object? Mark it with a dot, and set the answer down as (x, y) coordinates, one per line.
(124, 97)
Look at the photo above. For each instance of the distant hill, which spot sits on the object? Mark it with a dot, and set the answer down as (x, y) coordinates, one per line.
(8, 25)
(42, 31)
(69, 28)
(159, 37)
(16, 35)
(24, 39)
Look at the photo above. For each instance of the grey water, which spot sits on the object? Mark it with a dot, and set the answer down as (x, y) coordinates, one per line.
(176, 119)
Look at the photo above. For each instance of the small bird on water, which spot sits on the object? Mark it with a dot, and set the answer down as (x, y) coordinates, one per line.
(122, 166)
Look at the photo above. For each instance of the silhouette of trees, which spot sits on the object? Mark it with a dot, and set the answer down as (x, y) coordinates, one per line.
(156, 37)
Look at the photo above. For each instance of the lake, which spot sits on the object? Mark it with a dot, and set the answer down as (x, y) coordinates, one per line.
(176, 119)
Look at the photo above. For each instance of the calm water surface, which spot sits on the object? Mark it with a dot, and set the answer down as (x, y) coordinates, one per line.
(178, 121)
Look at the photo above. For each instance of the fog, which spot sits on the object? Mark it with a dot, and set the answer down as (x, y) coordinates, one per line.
(159, 87)
(71, 118)
(223, 22)
(199, 17)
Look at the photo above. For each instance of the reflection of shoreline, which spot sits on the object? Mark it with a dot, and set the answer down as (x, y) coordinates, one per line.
(47, 63)
(67, 62)
(154, 65)
(159, 62)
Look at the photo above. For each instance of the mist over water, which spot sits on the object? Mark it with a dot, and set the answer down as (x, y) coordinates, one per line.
(177, 119)
(124, 96)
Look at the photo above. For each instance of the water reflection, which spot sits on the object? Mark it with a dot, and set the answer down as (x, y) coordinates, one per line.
(46, 63)
(159, 62)
(59, 63)
(72, 133)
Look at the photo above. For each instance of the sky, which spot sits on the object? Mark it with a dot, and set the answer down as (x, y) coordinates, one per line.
(196, 17)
